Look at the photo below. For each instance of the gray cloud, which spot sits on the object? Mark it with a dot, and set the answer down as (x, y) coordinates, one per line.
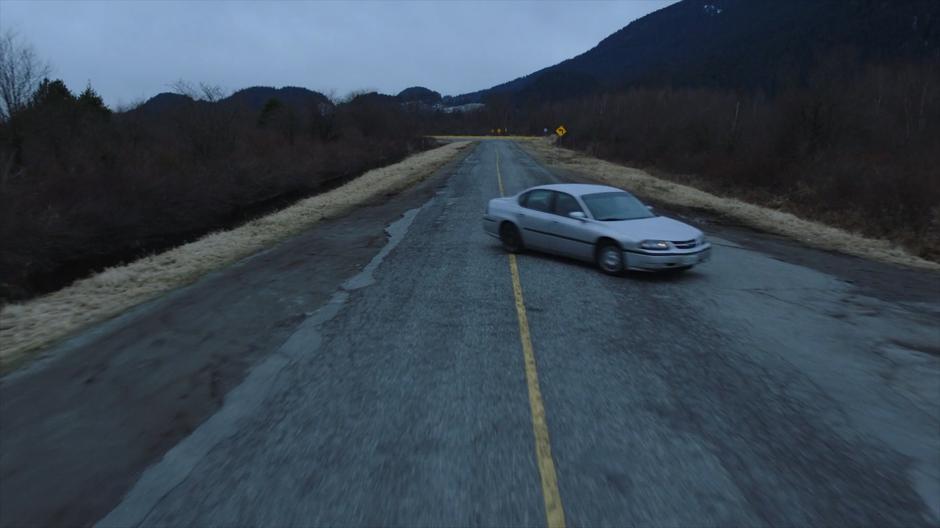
(133, 50)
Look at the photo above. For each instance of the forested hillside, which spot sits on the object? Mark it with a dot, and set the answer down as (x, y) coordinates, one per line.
(753, 45)
(829, 109)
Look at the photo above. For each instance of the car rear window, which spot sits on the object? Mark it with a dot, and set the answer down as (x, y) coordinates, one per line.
(539, 199)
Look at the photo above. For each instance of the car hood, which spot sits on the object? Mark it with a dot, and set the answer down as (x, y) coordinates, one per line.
(654, 228)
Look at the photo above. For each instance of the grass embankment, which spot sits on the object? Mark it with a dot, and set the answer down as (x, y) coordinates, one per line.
(764, 218)
(30, 325)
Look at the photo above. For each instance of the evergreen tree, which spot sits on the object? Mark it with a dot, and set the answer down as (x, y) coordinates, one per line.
(52, 92)
(89, 99)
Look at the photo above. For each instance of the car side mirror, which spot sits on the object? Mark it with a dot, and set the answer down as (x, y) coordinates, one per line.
(578, 215)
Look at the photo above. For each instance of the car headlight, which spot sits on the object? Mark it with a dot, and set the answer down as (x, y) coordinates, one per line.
(655, 245)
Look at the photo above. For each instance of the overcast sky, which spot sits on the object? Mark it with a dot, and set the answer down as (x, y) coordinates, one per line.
(132, 50)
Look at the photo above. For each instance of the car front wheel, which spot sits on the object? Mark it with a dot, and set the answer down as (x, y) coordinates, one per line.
(610, 258)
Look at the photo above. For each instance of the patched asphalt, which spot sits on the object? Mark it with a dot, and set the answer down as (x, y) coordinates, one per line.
(763, 388)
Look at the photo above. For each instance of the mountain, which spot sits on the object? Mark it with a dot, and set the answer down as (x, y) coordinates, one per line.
(373, 98)
(257, 96)
(738, 44)
(253, 98)
(163, 102)
(419, 94)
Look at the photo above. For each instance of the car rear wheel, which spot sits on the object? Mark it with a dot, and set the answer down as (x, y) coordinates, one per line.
(609, 258)
(509, 236)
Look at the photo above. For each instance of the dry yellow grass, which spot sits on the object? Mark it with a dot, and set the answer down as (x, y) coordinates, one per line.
(764, 218)
(33, 324)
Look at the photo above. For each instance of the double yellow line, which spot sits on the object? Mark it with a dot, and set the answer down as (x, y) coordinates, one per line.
(543, 449)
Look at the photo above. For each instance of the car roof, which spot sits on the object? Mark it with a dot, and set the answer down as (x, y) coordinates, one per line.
(577, 189)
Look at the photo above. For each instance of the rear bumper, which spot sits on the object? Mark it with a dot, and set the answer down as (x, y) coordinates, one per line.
(647, 262)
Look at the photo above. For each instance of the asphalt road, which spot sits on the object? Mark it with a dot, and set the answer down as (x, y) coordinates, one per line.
(776, 385)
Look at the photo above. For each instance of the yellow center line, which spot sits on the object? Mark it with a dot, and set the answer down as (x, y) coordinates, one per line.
(554, 512)
(499, 177)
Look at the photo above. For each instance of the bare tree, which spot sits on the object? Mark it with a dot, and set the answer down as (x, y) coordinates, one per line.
(21, 70)
(201, 92)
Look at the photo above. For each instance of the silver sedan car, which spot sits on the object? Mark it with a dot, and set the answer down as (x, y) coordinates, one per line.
(594, 223)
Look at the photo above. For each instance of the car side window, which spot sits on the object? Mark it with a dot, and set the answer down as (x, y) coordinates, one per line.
(565, 204)
(539, 199)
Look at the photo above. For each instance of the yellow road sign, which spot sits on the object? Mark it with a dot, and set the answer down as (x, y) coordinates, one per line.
(561, 130)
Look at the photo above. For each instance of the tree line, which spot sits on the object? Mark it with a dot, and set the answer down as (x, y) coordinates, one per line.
(83, 187)
(854, 144)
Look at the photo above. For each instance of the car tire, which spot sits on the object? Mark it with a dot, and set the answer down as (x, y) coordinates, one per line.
(510, 237)
(609, 258)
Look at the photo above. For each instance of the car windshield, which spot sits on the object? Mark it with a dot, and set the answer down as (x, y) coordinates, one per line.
(615, 206)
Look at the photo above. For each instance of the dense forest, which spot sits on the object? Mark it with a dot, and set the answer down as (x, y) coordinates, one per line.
(83, 187)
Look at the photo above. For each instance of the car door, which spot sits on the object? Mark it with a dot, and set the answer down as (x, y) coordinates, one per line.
(534, 217)
(570, 236)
